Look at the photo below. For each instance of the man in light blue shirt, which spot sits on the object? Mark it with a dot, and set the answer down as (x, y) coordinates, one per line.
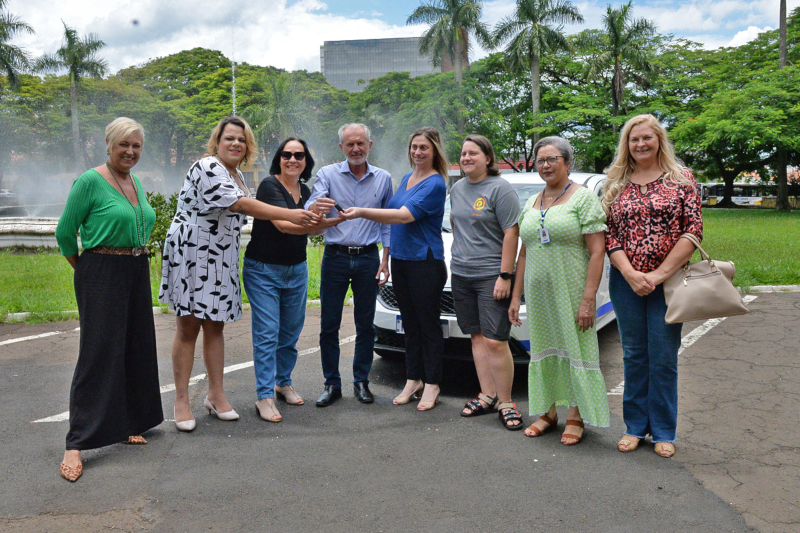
(351, 258)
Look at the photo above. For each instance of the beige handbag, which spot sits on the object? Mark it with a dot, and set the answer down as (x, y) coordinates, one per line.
(702, 290)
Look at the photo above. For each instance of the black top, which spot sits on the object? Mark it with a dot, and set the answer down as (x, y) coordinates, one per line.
(267, 244)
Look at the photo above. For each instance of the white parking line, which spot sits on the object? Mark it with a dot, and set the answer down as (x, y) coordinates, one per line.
(61, 417)
(33, 337)
(688, 340)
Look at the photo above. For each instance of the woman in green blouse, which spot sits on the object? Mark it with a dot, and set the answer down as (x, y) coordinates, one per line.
(115, 393)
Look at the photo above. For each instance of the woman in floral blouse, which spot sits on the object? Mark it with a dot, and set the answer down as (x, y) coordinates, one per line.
(651, 201)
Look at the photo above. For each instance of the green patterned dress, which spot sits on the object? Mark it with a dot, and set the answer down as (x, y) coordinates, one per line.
(565, 362)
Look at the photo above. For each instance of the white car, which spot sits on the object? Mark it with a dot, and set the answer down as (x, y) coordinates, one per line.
(389, 340)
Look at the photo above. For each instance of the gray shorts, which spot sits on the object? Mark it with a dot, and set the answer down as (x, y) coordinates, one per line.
(476, 309)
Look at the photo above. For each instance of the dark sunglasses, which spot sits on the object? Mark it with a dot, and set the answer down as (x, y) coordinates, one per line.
(298, 156)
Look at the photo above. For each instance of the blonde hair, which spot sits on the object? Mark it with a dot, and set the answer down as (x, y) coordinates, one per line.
(121, 128)
(250, 145)
(440, 163)
(620, 171)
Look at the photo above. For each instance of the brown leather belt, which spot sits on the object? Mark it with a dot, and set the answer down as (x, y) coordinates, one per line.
(113, 250)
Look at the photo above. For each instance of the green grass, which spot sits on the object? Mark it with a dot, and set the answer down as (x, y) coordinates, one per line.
(40, 282)
(765, 246)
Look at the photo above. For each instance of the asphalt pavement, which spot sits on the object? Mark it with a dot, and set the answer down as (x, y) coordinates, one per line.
(380, 467)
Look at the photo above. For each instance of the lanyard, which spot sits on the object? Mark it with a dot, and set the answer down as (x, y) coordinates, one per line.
(541, 202)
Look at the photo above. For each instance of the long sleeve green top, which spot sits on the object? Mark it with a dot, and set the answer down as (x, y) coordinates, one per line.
(102, 215)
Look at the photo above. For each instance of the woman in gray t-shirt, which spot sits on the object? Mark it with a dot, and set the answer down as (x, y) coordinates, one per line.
(484, 210)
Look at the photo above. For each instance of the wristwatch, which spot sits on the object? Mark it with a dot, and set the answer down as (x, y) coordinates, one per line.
(505, 275)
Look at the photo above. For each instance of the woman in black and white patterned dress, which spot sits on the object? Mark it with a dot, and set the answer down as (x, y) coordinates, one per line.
(200, 267)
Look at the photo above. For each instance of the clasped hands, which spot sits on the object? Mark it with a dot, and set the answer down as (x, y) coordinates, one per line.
(643, 284)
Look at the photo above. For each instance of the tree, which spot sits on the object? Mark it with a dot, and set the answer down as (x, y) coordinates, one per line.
(284, 114)
(782, 201)
(79, 57)
(624, 51)
(451, 22)
(13, 59)
(532, 34)
(179, 123)
(742, 110)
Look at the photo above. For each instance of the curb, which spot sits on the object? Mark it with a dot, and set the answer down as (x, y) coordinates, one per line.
(755, 289)
(13, 317)
(767, 289)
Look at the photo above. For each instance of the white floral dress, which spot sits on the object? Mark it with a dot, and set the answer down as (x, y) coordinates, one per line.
(200, 265)
(565, 362)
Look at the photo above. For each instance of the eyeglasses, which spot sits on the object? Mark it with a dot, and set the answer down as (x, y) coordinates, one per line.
(552, 160)
(298, 156)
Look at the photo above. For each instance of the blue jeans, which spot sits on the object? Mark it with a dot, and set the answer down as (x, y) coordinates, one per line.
(340, 271)
(650, 356)
(277, 295)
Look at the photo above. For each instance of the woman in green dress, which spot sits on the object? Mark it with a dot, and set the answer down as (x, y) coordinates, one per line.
(560, 265)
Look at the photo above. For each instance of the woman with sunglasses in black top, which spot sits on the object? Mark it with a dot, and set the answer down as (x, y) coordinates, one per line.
(275, 276)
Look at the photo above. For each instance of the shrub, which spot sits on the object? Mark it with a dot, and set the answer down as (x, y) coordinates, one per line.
(165, 211)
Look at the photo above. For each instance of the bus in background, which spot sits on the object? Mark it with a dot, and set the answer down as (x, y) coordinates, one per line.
(743, 193)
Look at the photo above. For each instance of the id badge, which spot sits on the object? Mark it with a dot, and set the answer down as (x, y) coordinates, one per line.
(544, 235)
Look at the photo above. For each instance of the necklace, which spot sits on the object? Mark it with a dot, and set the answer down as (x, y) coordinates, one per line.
(140, 238)
(543, 212)
(115, 169)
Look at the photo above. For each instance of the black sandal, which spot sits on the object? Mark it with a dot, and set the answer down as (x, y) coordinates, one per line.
(508, 414)
(476, 408)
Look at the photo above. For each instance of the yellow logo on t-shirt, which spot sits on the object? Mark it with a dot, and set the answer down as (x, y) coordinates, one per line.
(480, 203)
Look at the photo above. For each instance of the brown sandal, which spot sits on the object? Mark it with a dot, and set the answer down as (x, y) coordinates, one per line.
(578, 438)
(71, 473)
(665, 449)
(539, 432)
(135, 439)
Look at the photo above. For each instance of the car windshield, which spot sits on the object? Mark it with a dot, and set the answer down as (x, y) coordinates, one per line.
(523, 190)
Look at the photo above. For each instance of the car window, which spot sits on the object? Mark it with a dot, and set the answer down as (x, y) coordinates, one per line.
(524, 192)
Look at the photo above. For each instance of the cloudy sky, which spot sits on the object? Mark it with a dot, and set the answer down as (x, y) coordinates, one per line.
(288, 33)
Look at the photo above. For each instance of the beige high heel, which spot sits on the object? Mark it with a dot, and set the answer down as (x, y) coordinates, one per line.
(289, 395)
(427, 406)
(267, 410)
(415, 395)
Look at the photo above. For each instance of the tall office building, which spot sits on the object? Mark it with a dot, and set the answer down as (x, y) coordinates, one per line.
(352, 64)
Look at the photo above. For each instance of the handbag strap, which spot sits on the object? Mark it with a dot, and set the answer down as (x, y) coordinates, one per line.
(694, 240)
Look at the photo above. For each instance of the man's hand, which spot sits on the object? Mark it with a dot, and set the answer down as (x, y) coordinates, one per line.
(323, 206)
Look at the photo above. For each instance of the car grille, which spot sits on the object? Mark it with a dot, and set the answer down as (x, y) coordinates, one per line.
(389, 301)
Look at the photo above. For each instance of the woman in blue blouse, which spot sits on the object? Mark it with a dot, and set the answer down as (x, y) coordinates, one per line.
(415, 212)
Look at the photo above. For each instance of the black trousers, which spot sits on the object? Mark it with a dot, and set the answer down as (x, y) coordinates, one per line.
(115, 391)
(418, 288)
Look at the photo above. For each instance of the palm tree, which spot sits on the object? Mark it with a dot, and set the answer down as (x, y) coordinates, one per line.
(451, 22)
(531, 34)
(13, 59)
(622, 43)
(782, 35)
(284, 114)
(78, 57)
